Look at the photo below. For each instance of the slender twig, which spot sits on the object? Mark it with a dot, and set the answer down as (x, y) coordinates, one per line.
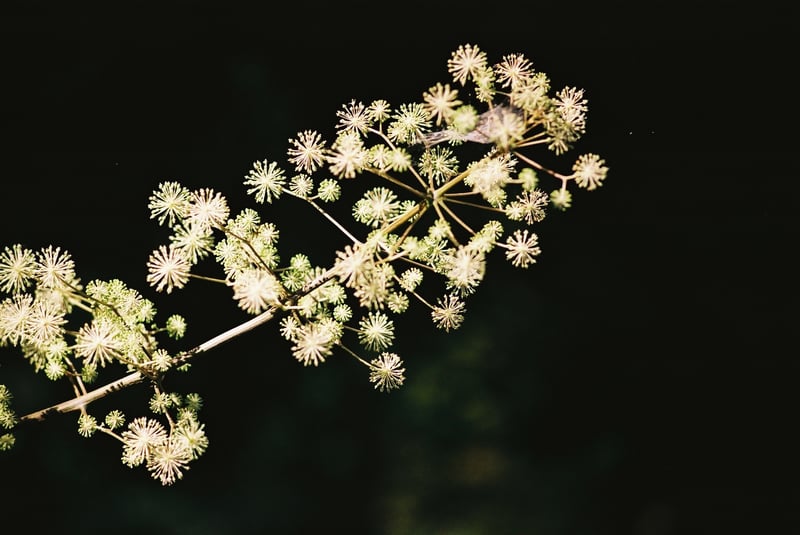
(450, 199)
(81, 401)
(443, 218)
(325, 214)
(396, 182)
(537, 165)
(456, 218)
(133, 378)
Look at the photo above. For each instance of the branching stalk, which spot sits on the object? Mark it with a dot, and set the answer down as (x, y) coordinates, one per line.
(133, 378)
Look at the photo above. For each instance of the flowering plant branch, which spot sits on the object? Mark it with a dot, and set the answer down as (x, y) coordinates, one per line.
(455, 182)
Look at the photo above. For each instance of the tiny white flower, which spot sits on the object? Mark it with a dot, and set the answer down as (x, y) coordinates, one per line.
(99, 342)
(466, 61)
(307, 152)
(208, 209)
(167, 269)
(143, 434)
(169, 459)
(256, 290)
(17, 265)
(313, 343)
(387, 372)
(376, 331)
(347, 155)
(354, 117)
(266, 179)
(54, 268)
(170, 203)
(448, 314)
(522, 248)
(589, 171)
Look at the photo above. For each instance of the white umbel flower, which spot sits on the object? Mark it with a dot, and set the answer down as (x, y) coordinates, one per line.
(387, 372)
(255, 290)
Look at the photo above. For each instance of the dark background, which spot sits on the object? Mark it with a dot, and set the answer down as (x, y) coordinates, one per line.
(639, 380)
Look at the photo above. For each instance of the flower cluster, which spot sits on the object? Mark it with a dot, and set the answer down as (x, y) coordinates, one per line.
(69, 330)
(413, 226)
(165, 452)
(8, 418)
(456, 180)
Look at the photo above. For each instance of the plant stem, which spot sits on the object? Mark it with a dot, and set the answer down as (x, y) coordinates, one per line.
(131, 379)
(81, 401)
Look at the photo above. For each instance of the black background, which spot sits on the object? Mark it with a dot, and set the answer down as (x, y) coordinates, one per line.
(640, 379)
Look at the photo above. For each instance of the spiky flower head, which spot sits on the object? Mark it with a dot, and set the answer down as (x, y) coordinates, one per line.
(169, 459)
(561, 198)
(353, 117)
(114, 419)
(522, 248)
(17, 264)
(87, 425)
(208, 209)
(99, 342)
(589, 171)
(513, 70)
(440, 102)
(448, 314)
(167, 269)
(438, 164)
(54, 268)
(313, 342)
(409, 124)
(379, 110)
(7, 441)
(176, 326)
(192, 433)
(529, 206)
(139, 440)
(307, 151)
(377, 207)
(466, 62)
(169, 203)
(387, 372)
(376, 331)
(266, 180)
(194, 242)
(347, 156)
(255, 290)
